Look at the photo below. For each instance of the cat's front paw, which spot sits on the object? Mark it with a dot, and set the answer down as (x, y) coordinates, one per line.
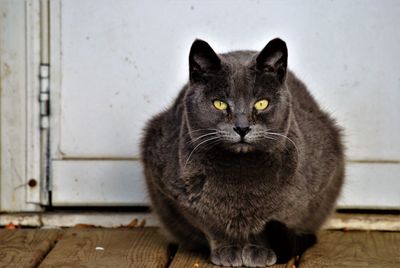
(258, 256)
(227, 256)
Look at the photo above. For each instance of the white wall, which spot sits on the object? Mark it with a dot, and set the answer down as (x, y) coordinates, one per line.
(131, 59)
(115, 65)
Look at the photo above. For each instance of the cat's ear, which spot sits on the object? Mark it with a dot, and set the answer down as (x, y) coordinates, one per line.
(273, 59)
(202, 60)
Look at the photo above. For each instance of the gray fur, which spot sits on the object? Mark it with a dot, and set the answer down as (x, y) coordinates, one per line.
(223, 196)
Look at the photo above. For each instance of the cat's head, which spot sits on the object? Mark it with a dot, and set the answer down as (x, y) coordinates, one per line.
(239, 100)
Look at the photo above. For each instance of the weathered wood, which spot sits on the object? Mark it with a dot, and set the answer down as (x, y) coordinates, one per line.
(190, 259)
(25, 248)
(144, 247)
(139, 247)
(354, 249)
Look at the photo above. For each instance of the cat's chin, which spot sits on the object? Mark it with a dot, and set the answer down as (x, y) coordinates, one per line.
(242, 148)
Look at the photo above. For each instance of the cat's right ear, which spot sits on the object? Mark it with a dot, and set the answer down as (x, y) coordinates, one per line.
(273, 59)
(203, 60)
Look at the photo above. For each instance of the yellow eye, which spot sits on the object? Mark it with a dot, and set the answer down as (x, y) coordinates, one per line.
(220, 105)
(261, 105)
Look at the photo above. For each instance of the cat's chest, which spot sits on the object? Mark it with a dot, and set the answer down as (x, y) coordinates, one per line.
(236, 209)
(242, 175)
(234, 195)
(238, 190)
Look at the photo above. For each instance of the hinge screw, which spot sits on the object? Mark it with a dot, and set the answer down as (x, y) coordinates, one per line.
(32, 183)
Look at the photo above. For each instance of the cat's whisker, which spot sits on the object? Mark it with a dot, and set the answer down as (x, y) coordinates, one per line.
(189, 132)
(197, 146)
(267, 133)
(202, 129)
(286, 137)
(212, 144)
(205, 135)
(270, 138)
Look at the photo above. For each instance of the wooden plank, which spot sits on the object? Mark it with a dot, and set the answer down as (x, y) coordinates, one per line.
(140, 247)
(190, 259)
(354, 249)
(25, 248)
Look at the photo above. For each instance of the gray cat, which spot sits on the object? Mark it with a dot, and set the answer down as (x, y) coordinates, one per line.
(244, 162)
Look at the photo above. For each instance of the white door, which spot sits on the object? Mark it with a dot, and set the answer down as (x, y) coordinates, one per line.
(114, 64)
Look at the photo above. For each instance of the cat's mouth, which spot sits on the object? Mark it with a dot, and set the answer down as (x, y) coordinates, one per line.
(242, 147)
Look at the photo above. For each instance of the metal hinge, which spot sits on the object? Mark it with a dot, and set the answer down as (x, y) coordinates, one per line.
(44, 97)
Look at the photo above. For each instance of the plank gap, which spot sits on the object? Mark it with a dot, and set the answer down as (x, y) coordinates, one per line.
(297, 262)
(51, 247)
(172, 249)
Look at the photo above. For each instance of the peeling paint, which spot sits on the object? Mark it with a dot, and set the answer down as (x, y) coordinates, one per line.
(20, 219)
(6, 71)
(54, 219)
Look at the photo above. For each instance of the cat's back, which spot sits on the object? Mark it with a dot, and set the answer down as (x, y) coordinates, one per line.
(306, 109)
(301, 97)
(159, 139)
(317, 128)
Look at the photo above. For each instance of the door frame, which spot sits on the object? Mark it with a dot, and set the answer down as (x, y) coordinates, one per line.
(21, 175)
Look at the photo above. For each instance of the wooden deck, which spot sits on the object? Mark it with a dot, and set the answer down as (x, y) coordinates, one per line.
(144, 247)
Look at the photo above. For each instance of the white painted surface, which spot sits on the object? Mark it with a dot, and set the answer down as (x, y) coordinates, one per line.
(21, 219)
(372, 222)
(113, 66)
(105, 219)
(33, 134)
(371, 186)
(70, 219)
(121, 64)
(19, 135)
(116, 183)
(91, 183)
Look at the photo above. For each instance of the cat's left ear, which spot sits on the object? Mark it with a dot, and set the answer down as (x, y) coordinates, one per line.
(203, 60)
(273, 59)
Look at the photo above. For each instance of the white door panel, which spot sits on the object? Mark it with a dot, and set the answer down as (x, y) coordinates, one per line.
(97, 183)
(121, 183)
(115, 65)
(371, 186)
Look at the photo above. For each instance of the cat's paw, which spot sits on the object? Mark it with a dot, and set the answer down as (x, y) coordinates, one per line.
(227, 256)
(258, 256)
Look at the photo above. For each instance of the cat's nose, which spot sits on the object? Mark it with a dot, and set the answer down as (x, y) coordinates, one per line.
(242, 131)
